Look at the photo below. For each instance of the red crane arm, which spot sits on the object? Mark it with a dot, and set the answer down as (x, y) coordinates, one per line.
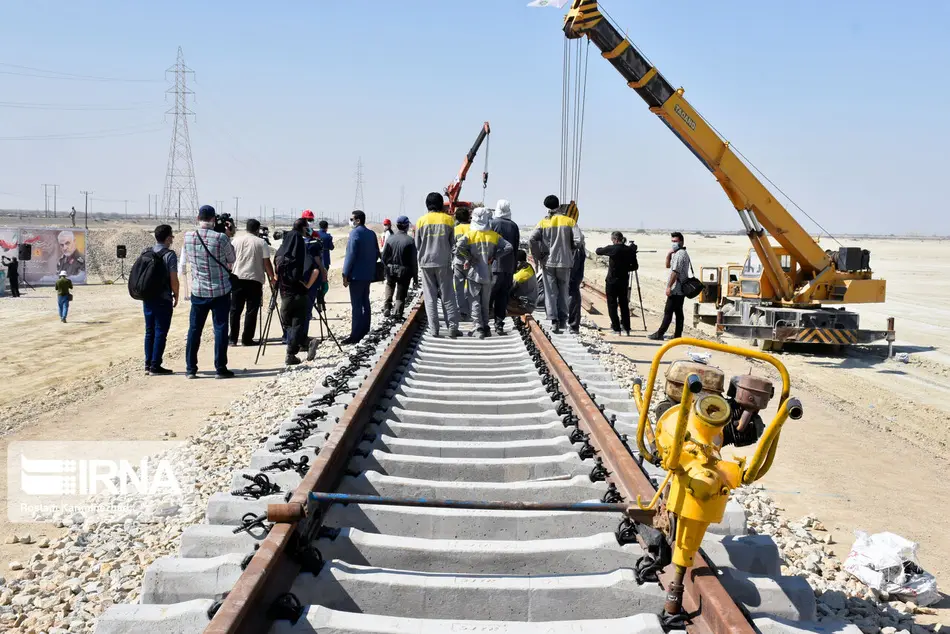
(455, 187)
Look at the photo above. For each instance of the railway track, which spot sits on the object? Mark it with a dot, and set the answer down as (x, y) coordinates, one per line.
(520, 418)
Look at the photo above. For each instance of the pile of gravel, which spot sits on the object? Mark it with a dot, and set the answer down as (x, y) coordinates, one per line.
(101, 263)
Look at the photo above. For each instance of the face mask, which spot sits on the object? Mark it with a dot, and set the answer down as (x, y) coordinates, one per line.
(353, 223)
(676, 246)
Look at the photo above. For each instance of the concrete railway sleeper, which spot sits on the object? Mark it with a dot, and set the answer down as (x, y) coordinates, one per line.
(514, 429)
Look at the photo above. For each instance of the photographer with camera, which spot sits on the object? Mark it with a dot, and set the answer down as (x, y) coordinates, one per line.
(252, 267)
(622, 260)
(297, 272)
(208, 252)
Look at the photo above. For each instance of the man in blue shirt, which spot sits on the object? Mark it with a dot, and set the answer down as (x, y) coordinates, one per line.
(327, 241)
(158, 310)
(359, 271)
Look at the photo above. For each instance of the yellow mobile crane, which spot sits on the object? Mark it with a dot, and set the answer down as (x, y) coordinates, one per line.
(783, 291)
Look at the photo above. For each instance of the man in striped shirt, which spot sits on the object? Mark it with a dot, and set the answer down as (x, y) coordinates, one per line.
(210, 256)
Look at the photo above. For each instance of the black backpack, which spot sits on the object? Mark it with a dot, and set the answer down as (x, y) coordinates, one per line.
(148, 278)
(290, 261)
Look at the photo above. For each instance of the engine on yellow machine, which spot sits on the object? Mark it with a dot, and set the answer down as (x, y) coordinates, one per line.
(746, 396)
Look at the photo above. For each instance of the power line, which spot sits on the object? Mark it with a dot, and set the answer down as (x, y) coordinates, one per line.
(24, 105)
(54, 74)
(97, 134)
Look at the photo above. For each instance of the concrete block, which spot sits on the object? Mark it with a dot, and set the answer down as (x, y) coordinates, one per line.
(471, 395)
(262, 458)
(472, 360)
(286, 480)
(472, 449)
(767, 625)
(578, 488)
(224, 508)
(572, 555)
(326, 621)
(458, 433)
(776, 597)
(472, 525)
(452, 386)
(173, 580)
(345, 587)
(315, 439)
(733, 521)
(322, 427)
(474, 469)
(516, 369)
(473, 407)
(402, 414)
(754, 554)
(210, 540)
(188, 617)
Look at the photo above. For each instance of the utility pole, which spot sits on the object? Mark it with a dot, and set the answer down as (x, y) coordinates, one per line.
(179, 210)
(126, 209)
(86, 213)
(180, 174)
(45, 201)
(402, 200)
(55, 187)
(236, 199)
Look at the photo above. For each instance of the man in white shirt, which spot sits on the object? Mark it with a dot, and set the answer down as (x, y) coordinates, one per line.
(253, 267)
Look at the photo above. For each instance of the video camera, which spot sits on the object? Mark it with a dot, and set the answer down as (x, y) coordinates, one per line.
(264, 235)
(223, 223)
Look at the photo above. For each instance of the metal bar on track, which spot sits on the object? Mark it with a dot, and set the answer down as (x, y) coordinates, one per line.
(704, 598)
(272, 570)
(629, 510)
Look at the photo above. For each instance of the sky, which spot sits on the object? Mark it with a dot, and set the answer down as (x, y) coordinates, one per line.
(841, 104)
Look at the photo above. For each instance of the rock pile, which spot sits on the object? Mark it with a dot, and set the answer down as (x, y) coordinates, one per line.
(101, 263)
(805, 550)
(100, 562)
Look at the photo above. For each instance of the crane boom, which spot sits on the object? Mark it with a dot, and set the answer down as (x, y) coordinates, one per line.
(816, 277)
(455, 188)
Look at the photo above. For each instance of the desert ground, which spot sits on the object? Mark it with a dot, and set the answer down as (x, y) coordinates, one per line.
(869, 453)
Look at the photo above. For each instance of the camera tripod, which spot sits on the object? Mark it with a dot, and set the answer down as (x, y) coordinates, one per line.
(325, 331)
(265, 325)
(321, 306)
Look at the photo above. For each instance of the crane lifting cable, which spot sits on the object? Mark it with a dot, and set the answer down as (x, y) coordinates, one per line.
(573, 101)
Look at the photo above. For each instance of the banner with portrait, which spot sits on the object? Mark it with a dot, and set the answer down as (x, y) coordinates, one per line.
(52, 251)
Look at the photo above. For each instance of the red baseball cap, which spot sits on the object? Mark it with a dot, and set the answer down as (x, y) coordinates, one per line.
(307, 214)
(387, 221)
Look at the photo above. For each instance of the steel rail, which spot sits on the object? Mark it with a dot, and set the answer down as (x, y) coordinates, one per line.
(630, 510)
(272, 570)
(704, 598)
